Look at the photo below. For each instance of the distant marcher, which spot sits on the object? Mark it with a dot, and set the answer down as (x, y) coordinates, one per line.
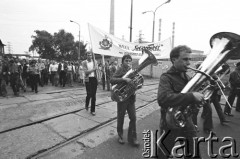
(20, 68)
(62, 73)
(234, 81)
(81, 73)
(34, 72)
(5, 71)
(41, 67)
(53, 68)
(14, 76)
(25, 73)
(70, 73)
(107, 71)
(113, 68)
(45, 72)
(103, 77)
(1, 77)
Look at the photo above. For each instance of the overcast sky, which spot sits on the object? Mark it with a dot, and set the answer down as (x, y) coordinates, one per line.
(195, 20)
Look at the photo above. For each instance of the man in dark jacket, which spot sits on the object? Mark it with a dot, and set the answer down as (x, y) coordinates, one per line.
(107, 71)
(234, 81)
(14, 76)
(169, 96)
(127, 105)
(62, 71)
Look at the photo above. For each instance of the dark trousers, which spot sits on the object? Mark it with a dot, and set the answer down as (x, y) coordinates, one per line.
(54, 79)
(3, 89)
(45, 77)
(91, 88)
(108, 83)
(14, 81)
(195, 112)
(207, 113)
(34, 78)
(40, 79)
(215, 99)
(232, 94)
(103, 81)
(62, 78)
(168, 142)
(122, 107)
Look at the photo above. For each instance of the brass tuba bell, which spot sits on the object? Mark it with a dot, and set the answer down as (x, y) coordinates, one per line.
(121, 92)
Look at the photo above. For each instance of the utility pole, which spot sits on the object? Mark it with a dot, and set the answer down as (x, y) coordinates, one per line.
(79, 51)
(160, 25)
(140, 38)
(112, 18)
(131, 21)
(173, 34)
(9, 48)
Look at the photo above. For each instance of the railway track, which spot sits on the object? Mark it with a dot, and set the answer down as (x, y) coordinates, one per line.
(59, 115)
(48, 151)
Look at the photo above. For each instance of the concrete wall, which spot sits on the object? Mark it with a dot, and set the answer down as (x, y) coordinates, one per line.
(162, 67)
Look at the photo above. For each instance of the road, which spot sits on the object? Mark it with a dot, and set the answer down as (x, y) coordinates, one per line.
(54, 125)
(34, 124)
(112, 149)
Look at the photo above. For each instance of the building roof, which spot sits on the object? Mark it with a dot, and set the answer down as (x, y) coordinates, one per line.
(1, 44)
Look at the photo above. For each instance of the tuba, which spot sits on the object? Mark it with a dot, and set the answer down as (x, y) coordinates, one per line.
(215, 81)
(224, 46)
(121, 92)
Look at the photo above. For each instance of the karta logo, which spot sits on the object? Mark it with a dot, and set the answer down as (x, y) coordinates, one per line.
(106, 43)
(152, 142)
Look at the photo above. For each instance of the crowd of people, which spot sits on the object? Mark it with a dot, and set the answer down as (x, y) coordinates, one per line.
(28, 74)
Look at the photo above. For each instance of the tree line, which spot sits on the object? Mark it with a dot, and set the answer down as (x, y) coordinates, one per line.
(59, 46)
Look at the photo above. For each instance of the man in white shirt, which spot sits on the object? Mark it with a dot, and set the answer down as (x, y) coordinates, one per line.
(90, 67)
(53, 71)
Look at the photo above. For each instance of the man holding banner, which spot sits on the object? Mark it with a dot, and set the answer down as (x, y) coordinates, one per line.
(91, 82)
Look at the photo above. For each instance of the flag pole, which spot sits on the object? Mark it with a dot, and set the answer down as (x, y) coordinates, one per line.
(93, 55)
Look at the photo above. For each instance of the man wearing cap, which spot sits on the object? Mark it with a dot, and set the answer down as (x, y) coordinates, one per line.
(234, 81)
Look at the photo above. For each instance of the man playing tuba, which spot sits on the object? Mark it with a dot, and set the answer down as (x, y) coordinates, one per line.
(169, 95)
(127, 105)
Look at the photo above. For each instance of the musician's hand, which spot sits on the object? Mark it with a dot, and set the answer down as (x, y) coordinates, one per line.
(198, 96)
(127, 80)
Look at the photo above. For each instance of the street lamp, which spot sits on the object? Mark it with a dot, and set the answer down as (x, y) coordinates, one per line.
(79, 38)
(131, 21)
(154, 17)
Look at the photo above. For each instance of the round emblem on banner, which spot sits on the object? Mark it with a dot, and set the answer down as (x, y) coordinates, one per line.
(106, 43)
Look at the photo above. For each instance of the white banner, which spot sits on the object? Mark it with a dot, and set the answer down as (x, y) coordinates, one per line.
(107, 44)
